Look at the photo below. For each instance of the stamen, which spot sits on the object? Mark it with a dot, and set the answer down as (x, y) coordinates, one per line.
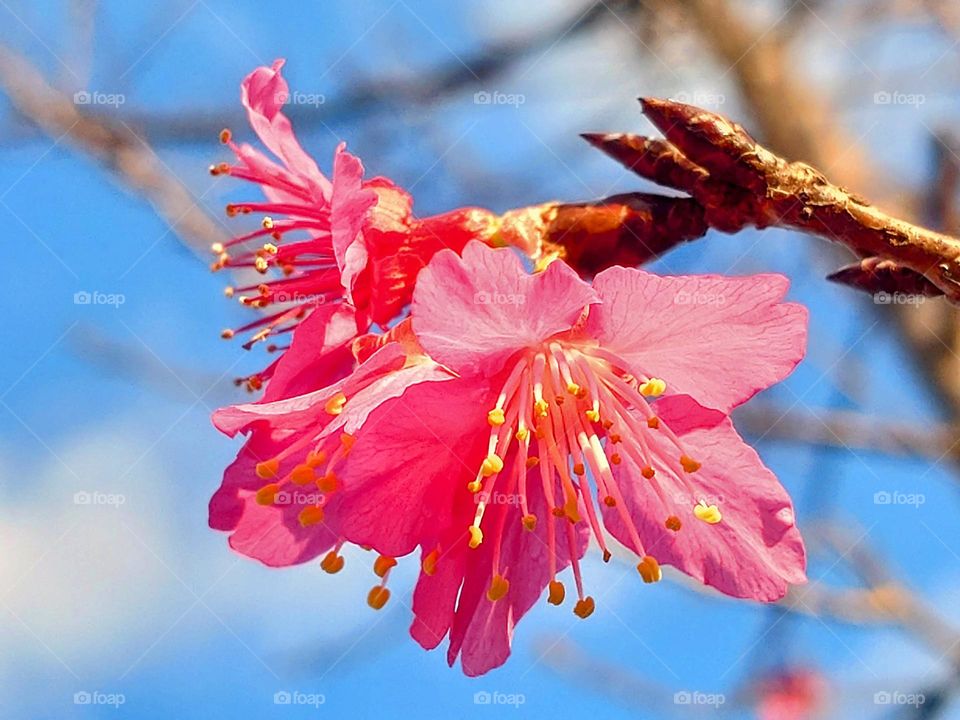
(311, 515)
(383, 564)
(498, 588)
(378, 596)
(267, 494)
(649, 569)
(332, 562)
(710, 514)
(429, 565)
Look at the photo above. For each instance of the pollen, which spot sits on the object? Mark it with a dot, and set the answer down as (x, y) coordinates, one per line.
(648, 472)
(556, 593)
(532, 461)
(615, 459)
(261, 265)
(267, 223)
(673, 523)
(268, 468)
(225, 135)
(498, 588)
(429, 564)
(542, 408)
(383, 564)
(654, 387)
(573, 388)
(332, 563)
(710, 514)
(328, 483)
(495, 417)
(610, 501)
(377, 597)
(522, 434)
(492, 464)
(476, 536)
(311, 515)
(315, 459)
(267, 494)
(689, 464)
(529, 522)
(335, 404)
(474, 486)
(584, 607)
(592, 415)
(227, 334)
(217, 248)
(649, 569)
(579, 469)
(302, 475)
(653, 422)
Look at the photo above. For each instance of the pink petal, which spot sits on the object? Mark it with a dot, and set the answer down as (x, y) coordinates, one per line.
(410, 463)
(756, 550)
(264, 92)
(472, 313)
(718, 339)
(349, 208)
(318, 354)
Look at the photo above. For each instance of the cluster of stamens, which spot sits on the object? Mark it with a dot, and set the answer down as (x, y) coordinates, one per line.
(566, 410)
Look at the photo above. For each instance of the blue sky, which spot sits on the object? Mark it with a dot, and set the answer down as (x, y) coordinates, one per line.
(135, 596)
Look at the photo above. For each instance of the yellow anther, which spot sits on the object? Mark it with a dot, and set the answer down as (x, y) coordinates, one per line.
(529, 522)
(268, 468)
(261, 265)
(610, 501)
(227, 334)
(225, 135)
(382, 564)
(541, 408)
(495, 417)
(267, 223)
(653, 387)
(429, 563)
(332, 563)
(377, 597)
(498, 588)
(673, 523)
(327, 483)
(653, 422)
(579, 469)
(476, 536)
(474, 486)
(302, 475)
(267, 494)
(314, 459)
(556, 593)
(311, 515)
(573, 388)
(335, 404)
(492, 464)
(217, 248)
(532, 461)
(584, 608)
(592, 415)
(522, 434)
(615, 459)
(648, 472)
(689, 464)
(271, 248)
(228, 291)
(649, 569)
(710, 514)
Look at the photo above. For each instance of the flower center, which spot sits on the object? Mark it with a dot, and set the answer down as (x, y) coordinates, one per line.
(569, 409)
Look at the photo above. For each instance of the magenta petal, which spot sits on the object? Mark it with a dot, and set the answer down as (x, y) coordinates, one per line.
(756, 550)
(718, 339)
(471, 313)
(264, 92)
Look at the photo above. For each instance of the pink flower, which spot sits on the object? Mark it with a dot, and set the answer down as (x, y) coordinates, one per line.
(792, 693)
(337, 254)
(575, 411)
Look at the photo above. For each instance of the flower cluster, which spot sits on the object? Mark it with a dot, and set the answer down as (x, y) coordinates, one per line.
(510, 419)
